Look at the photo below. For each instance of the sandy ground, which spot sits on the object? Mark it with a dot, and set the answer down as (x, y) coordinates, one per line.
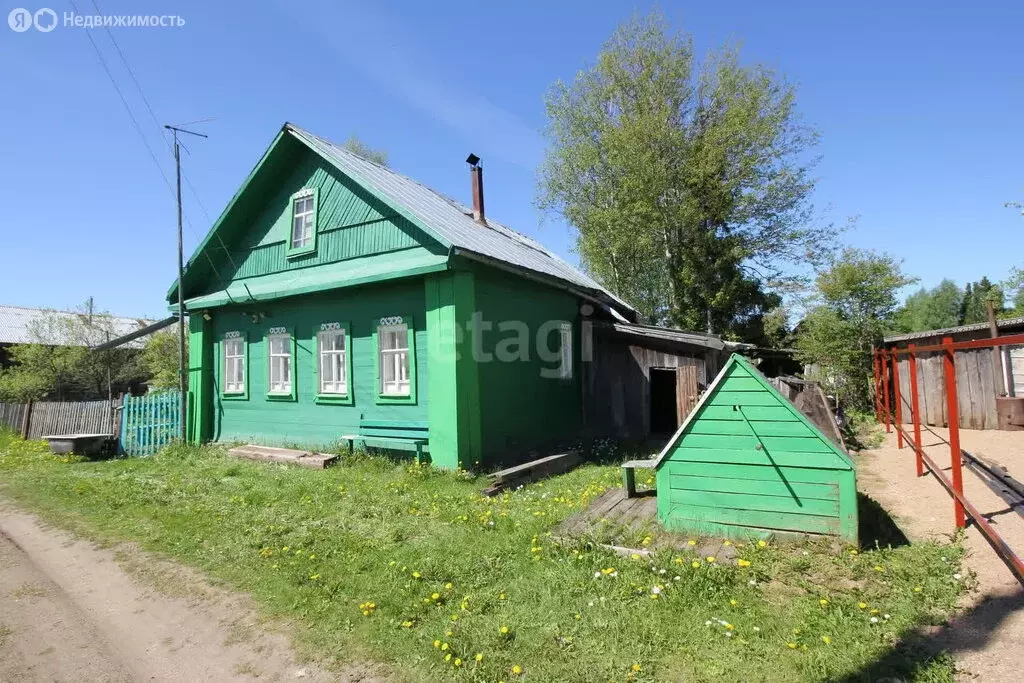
(70, 611)
(987, 636)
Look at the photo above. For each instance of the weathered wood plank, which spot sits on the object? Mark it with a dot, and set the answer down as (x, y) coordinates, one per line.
(739, 427)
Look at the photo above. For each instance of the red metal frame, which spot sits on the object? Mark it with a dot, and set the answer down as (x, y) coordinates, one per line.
(878, 385)
(897, 399)
(962, 508)
(885, 390)
(953, 419)
(915, 411)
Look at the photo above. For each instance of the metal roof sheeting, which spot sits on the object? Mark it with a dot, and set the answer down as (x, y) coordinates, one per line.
(20, 325)
(451, 220)
(973, 327)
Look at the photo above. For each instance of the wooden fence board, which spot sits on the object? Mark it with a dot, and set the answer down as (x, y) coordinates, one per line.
(148, 423)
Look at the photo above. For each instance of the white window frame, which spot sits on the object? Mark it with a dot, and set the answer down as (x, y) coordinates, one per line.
(332, 385)
(308, 216)
(397, 358)
(232, 362)
(284, 388)
(565, 351)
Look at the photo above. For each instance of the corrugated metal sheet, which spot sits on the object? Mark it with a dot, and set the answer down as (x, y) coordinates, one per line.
(451, 220)
(973, 327)
(45, 326)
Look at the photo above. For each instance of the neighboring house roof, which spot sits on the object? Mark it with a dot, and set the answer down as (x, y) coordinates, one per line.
(20, 325)
(708, 341)
(973, 327)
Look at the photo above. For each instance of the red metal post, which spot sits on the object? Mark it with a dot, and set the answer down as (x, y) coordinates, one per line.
(898, 399)
(885, 389)
(915, 411)
(878, 385)
(953, 409)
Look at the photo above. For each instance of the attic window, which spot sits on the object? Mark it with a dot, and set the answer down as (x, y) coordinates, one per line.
(302, 238)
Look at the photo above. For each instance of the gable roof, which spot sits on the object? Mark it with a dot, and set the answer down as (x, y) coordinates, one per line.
(734, 360)
(445, 219)
(19, 325)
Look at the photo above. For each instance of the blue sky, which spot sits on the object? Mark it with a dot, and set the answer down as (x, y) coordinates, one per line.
(918, 103)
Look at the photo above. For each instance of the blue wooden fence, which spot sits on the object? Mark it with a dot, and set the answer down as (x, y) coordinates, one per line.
(148, 423)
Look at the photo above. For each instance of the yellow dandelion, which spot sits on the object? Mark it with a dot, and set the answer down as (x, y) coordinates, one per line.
(879, 568)
(733, 602)
(435, 596)
(636, 668)
(678, 560)
(743, 563)
(791, 646)
(448, 657)
(634, 556)
(437, 644)
(710, 559)
(458, 662)
(417, 575)
(727, 543)
(503, 630)
(853, 551)
(406, 624)
(917, 589)
(501, 596)
(516, 670)
(862, 605)
(762, 544)
(695, 564)
(479, 656)
(826, 640)
(444, 647)
(823, 602)
(691, 542)
(448, 586)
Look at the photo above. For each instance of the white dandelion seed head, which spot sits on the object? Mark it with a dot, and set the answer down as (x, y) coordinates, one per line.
(597, 575)
(676, 578)
(752, 582)
(661, 571)
(728, 634)
(874, 620)
(656, 590)
(757, 629)
(957, 576)
(707, 623)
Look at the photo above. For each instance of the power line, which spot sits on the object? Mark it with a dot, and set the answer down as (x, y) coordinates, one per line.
(145, 140)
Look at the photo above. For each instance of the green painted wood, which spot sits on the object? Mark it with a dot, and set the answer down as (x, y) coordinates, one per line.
(524, 405)
(774, 444)
(741, 428)
(774, 413)
(781, 521)
(780, 486)
(150, 422)
(759, 472)
(305, 422)
(200, 379)
(752, 457)
(752, 502)
(747, 458)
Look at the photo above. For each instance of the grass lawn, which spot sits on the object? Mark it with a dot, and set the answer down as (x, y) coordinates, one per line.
(405, 565)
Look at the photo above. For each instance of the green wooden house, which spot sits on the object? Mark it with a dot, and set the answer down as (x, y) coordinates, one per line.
(334, 297)
(746, 462)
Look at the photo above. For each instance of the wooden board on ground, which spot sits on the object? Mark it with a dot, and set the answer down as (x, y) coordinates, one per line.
(531, 471)
(316, 461)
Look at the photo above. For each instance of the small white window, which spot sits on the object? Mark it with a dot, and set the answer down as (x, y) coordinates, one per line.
(333, 375)
(565, 361)
(234, 365)
(279, 357)
(302, 221)
(394, 359)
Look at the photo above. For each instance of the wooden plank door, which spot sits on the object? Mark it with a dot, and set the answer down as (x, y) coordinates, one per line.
(686, 391)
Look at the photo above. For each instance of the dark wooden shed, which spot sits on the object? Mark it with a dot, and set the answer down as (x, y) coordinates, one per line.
(643, 380)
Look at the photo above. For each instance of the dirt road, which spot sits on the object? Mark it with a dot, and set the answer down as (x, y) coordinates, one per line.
(986, 637)
(70, 611)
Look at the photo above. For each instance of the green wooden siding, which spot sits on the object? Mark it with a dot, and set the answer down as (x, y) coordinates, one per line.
(748, 463)
(520, 409)
(350, 223)
(304, 421)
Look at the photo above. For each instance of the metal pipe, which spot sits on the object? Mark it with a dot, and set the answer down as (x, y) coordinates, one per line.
(953, 420)
(916, 412)
(897, 399)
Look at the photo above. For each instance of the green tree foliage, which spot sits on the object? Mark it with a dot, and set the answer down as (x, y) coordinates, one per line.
(59, 365)
(973, 309)
(931, 309)
(357, 146)
(160, 358)
(1013, 286)
(687, 183)
(854, 301)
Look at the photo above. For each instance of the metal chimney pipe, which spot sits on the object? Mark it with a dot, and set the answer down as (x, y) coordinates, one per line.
(476, 177)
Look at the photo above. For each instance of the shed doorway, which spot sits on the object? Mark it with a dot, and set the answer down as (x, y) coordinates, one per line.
(664, 413)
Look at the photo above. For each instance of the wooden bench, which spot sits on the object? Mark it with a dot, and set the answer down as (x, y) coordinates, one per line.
(399, 436)
(629, 474)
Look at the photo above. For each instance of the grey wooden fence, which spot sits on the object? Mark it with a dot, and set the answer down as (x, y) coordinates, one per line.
(976, 388)
(58, 417)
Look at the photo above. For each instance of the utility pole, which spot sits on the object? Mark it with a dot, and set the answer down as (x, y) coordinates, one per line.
(181, 293)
